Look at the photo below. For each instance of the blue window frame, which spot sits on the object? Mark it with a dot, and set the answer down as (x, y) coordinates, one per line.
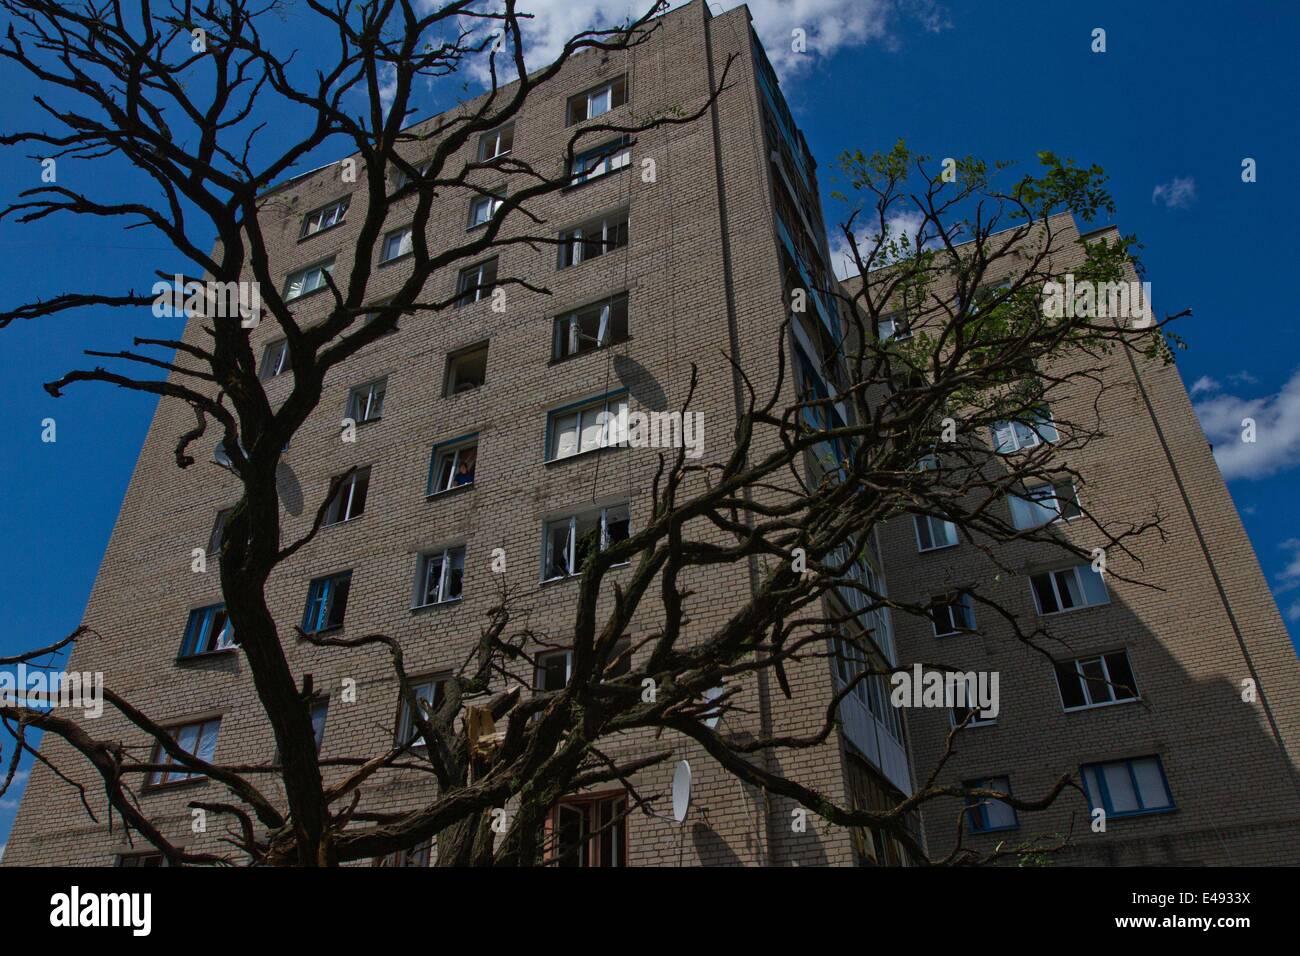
(1128, 788)
(987, 815)
(327, 600)
(207, 631)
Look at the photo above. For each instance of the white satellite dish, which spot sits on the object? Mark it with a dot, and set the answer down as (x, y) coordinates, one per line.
(710, 695)
(681, 791)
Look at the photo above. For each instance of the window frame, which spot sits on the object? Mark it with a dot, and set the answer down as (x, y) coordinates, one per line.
(468, 294)
(618, 398)
(573, 240)
(326, 603)
(157, 779)
(345, 202)
(1038, 428)
(367, 391)
(572, 518)
(280, 364)
(217, 536)
(324, 267)
(920, 545)
(981, 806)
(567, 326)
(454, 447)
(1128, 763)
(1084, 681)
(1056, 591)
(1032, 499)
(612, 156)
(450, 387)
(495, 134)
(405, 721)
(587, 96)
(336, 513)
(223, 643)
(964, 600)
(404, 235)
(493, 202)
(446, 555)
(589, 804)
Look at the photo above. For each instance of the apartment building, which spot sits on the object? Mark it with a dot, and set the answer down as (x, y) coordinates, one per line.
(470, 438)
(1176, 699)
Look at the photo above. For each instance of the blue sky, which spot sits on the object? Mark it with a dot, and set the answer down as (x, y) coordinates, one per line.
(1182, 94)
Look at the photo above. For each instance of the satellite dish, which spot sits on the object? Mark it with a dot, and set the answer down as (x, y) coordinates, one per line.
(710, 695)
(221, 456)
(681, 791)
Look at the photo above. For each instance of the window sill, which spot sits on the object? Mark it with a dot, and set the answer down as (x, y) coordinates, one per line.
(599, 177)
(1101, 706)
(207, 655)
(339, 524)
(174, 784)
(583, 454)
(384, 263)
(474, 389)
(318, 232)
(547, 582)
(974, 832)
(942, 547)
(447, 492)
(1072, 610)
(1131, 814)
(425, 607)
(307, 295)
(582, 262)
(578, 355)
(324, 630)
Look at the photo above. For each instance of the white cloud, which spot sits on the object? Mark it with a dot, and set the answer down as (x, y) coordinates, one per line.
(829, 26)
(1289, 578)
(1204, 384)
(1276, 446)
(1293, 612)
(1178, 193)
(905, 223)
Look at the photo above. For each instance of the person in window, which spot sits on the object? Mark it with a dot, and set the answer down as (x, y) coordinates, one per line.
(465, 470)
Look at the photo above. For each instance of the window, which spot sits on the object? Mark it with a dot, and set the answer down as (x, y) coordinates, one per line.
(591, 327)
(418, 855)
(197, 739)
(986, 814)
(348, 496)
(1068, 589)
(589, 831)
(275, 359)
(466, 369)
(441, 574)
(482, 209)
(554, 668)
(1043, 504)
(958, 715)
(428, 690)
(396, 244)
(327, 601)
(569, 541)
(497, 142)
(207, 631)
(1125, 788)
(576, 429)
(594, 163)
(896, 325)
(401, 180)
(934, 533)
(953, 617)
(141, 859)
(375, 311)
(476, 283)
(453, 464)
(366, 402)
(219, 530)
(1096, 681)
(593, 239)
(299, 283)
(1009, 436)
(319, 709)
(596, 101)
(324, 218)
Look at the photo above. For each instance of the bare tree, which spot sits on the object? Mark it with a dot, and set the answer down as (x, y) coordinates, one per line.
(798, 499)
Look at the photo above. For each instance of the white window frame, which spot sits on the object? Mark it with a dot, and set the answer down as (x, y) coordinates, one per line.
(494, 137)
(362, 402)
(592, 97)
(566, 653)
(1026, 435)
(963, 601)
(405, 245)
(1085, 687)
(277, 366)
(614, 156)
(454, 448)
(341, 506)
(489, 203)
(301, 277)
(467, 293)
(407, 731)
(572, 545)
(891, 321)
(610, 436)
(574, 239)
(570, 327)
(1044, 497)
(446, 556)
(1078, 571)
(401, 180)
(929, 520)
(326, 217)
